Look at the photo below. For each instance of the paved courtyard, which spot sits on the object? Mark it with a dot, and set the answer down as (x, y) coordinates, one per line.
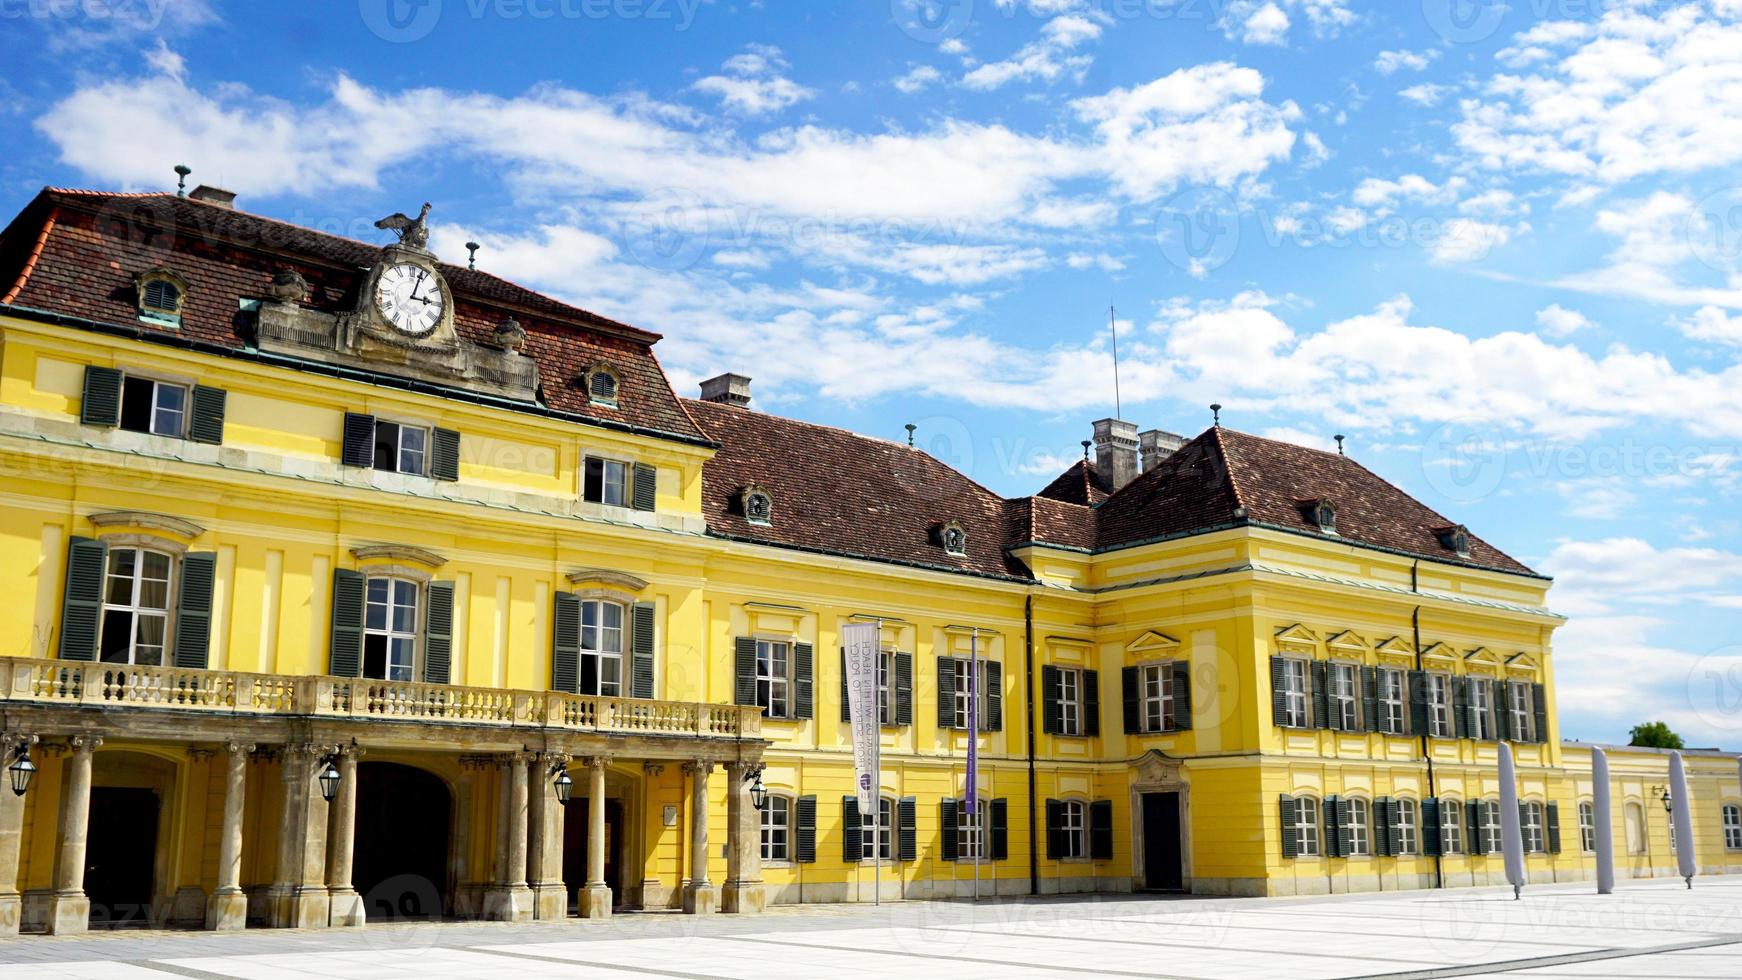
(1654, 929)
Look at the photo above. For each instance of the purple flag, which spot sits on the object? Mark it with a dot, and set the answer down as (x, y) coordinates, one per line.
(973, 723)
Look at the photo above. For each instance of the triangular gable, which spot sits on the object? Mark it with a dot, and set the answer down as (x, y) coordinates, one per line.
(1395, 647)
(1439, 652)
(1297, 636)
(1152, 641)
(1522, 662)
(1482, 656)
(1346, 641)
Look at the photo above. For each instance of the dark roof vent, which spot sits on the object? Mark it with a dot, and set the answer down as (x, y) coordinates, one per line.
(1456, 538)
(214, 195)
(727, 389)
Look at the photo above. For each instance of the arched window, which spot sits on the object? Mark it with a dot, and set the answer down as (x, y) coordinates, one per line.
(160, 293)
(1732, 827)
(1587, 827)
(971, 830)
(1306, 826)
(877, 832)
(1408, 828)
(776, 819)
(136, 587)
(1534, 840)
(602, 385)
(1360, 828)
(1073, 830)
(1451, 826)
(601, 648)
(390, 628)
(1493, 839)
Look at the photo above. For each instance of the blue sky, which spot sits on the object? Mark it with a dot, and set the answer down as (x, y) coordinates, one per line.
(1498, 246)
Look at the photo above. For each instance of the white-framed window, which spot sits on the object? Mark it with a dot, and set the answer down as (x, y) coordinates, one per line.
(1732, 827)
(962, 688)
(773, 677)
(1439, 705)
(1481, 708)
(401, 448)
(1360, 828)
(1073, 829)
(776, 819)
(1408, 835)
(136, 588)
(1070, 701)
(1295, 710)
(885, 690)
(1451, 827)
(1156, 689)
(1393, 695)
(601, 648)
(1346, 696)
(1306, 827)
(1523, 714)
(1587, 828)
(1493, 840)
(876, 832)
(606, 482)
(157, 408)
(1633, 820)
(1534, 840)
(390, 629)
(970, 830)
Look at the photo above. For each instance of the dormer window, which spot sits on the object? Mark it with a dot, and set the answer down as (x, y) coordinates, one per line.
(160, 296)
(601, 382)
(758, 505)
(1456, 538)
(953, 538)
(1322, 514)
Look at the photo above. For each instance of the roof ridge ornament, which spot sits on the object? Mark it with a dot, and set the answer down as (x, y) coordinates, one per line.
(412, 232)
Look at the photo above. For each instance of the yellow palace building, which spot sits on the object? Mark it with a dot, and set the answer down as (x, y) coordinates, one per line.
(343, 583)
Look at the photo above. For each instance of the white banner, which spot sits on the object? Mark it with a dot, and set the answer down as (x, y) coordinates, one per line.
(863, 649)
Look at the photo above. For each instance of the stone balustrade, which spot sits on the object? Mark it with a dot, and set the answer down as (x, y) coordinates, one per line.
(64, 682)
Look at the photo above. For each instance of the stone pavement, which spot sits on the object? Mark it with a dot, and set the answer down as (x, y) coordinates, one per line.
(1647, 929)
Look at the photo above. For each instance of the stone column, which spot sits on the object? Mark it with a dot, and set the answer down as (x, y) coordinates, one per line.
(11, 836)
(298, 898)
(346, 905)
(510, 900)
(700, 897)
(743, 892)
(550, 896)
(69, 911)
(227, 908)
(596, 896)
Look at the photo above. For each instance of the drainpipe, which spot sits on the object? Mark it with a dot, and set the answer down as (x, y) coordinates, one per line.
(1432, 786)
(1028, 665)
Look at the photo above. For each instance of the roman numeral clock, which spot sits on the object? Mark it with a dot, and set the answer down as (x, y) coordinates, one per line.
(404, 302)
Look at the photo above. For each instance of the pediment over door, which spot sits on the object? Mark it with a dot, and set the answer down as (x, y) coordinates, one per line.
(1156, 771)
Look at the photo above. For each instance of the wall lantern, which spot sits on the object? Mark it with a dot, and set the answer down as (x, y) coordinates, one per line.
(329, 780)
(22, 772)
(565, 786)
(758, 792)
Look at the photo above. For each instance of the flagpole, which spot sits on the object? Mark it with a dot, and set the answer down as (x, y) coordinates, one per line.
(877, 783)
(974, 754)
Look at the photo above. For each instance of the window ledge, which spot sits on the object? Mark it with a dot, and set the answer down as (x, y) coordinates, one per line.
(399, 553)
(146, 521)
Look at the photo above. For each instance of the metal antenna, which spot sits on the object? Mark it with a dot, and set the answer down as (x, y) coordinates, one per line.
(1339, 438)
(472, 257)
(1113, 323)
(1216, 413)
(1086, 445)
(910, 428)
(181, 185)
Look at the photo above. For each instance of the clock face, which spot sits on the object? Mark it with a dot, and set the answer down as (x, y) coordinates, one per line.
(409, 297)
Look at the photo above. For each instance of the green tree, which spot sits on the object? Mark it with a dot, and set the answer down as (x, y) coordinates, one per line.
(1655, 735)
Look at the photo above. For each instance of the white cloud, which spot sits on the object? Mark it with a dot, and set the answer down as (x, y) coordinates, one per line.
(1714, 324)
(1374, 192)
(753, 84)
(1268, 21)
(1597, 498)
(1652, 253)
(917, 79)
(74, 26)
(1558, 321)
(1390, 62)
(1265, 25)
(1467, 240)
(1046, 59)
(1425, 94)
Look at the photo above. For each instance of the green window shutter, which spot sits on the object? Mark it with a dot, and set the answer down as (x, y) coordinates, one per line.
(1055, 844)
(846, 705)
(82, 598)
(206, 415)
(1387, 835)
(193, 611)
(359, 445)
(1370, 697)
(1346, 832)
(904, 689)
(1430, 827)
(1278, 698)
(946, 693)
(1049, 700)
(444, 455)
(1539, 710)
(744, 670)
(645, 487)
(807, 829)
(852, 831)
(101, 404)
(998, 825)
(1418, 720)
(641, 658)
(1091, 703)
(992, 686)
(345, 648)
(1131, 685)
(907, 832)
(1322, 694)
(1182, 695)
(804, 660)
(1289, 818)
(1461, 707)
(438, 633)
(1333, 828)
(1473, 823)
(1500, 696)
(565, 644)
(1101, 830)
(947, 829)
(1553, 819)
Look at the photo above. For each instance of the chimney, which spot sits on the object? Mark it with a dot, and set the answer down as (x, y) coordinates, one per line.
(1156, 445)
(727, 389)
(1116, 452)
(214, 195)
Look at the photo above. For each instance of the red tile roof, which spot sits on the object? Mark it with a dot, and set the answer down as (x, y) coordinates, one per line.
(1080, 484)
(77, 253)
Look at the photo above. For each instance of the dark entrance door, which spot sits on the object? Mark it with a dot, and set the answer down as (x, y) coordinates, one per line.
(120, 849)
(575, 849)
(1162, 868)
(401, 862)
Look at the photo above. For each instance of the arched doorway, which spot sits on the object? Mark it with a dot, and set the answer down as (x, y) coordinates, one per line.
(404, 815)
(127, 838)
